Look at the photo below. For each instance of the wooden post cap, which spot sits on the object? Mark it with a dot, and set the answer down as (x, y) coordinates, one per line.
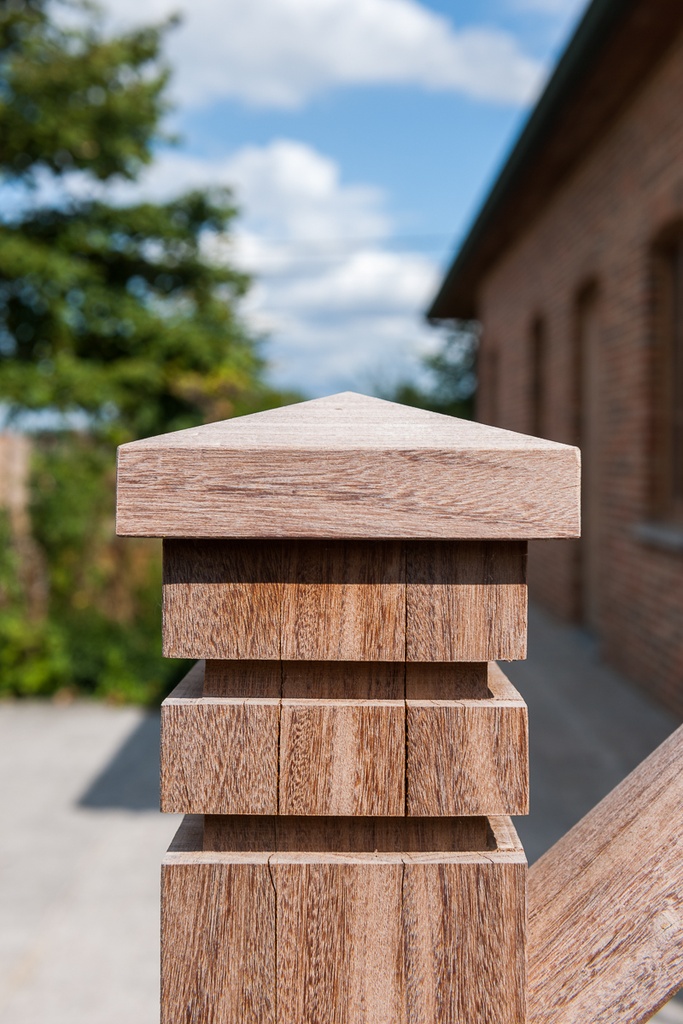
(348, 466)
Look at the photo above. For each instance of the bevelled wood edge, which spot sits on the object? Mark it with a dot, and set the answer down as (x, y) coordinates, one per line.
(400, 496)
(503, 847)
(500, 689)
(348, 466)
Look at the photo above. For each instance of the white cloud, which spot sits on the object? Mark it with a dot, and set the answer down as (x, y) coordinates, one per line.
(281, 53)
(340, 306)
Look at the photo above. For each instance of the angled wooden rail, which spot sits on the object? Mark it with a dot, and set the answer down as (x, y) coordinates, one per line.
(606, 904)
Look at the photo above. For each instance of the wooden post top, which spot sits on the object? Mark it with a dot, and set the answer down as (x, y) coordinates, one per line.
(348, 466)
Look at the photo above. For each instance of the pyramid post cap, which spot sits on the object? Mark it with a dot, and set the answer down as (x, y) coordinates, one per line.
(348, 466)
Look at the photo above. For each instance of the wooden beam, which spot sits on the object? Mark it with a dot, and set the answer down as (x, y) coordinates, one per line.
(242, 679)
(218, 950)
(346, 738)
(466, 601)
(344, 680)
(219, 755)
(342, 757)
(377, 921)
(464, 755)
(305, 600)
(343, 601)
(347, 466)
(606, 904)
(222, 600)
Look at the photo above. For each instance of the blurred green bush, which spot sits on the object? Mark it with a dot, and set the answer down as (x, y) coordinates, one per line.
(116, 321)
(80, 610)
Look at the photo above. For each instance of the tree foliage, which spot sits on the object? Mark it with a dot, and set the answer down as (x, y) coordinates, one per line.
(114, 317)
(112, 311)
(449, 375)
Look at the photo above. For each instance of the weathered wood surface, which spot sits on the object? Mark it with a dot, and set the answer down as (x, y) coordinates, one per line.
(218, 943)
(348, 466)
(606, 904)
(464, 932)
(222, 600)
(340, 942)
(343, 601)
(467, 756)
(342, 757)
(344, 680)
(466, 601)
(373, 924)
(308, 600)
(218, 754)
(440, 754)
(429, 601)
(242, 679)
(456, 680)
(367, 835)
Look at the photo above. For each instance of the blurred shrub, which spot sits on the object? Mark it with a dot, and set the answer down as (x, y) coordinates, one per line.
(122, 319)
(98, 630)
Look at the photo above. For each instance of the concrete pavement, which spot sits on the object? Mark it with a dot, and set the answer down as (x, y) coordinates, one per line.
(82, 837)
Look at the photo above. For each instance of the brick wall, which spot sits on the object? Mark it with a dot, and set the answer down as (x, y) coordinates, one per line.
(598, 232)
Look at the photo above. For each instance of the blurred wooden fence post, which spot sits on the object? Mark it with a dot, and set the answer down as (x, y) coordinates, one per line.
(345, 752)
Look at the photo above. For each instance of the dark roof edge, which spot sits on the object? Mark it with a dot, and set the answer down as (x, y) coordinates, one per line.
(593, 29)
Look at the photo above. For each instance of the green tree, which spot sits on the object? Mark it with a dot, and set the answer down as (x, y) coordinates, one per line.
(111, 314)
(112, 311)
(448, 380)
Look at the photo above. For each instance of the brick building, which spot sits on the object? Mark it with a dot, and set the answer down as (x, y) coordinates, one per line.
(574, 266)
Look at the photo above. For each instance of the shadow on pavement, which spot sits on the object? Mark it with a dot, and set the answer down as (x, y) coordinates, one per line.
(130, 781)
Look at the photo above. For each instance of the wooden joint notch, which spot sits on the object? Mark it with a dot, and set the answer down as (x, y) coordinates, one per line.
(342, 738)
(345, 600)
(366, 921)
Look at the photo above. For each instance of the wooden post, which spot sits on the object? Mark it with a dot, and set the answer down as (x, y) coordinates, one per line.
(346, 751)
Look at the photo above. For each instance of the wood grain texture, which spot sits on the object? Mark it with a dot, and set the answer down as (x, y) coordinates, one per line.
(243, 679)
(466, 601)
(344, 601)
(218, 935)
(218, 755)
(606, 904)
(337, 756)
(296, 600)
(222, 600)
(238, 834)
(467, 756)
(456, 680)
(347, 466)
(344, 680)
(464, 932)
(400, 921)
(342, 757)
(340, 943)
(357, 836)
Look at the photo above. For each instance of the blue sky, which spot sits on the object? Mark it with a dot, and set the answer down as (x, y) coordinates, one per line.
(360, 137)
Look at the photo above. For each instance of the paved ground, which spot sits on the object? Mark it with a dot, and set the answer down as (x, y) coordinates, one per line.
(80, 850)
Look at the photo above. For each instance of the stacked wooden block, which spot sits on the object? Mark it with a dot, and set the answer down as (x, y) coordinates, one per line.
(346, 751)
